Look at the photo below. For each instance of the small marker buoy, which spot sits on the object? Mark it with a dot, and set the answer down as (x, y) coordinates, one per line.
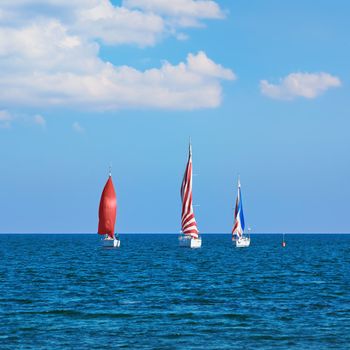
(283, 242)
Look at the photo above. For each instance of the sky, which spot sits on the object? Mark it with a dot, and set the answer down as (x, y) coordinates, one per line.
(261, 87)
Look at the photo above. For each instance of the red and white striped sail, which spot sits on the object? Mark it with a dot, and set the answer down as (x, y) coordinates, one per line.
(188, 221)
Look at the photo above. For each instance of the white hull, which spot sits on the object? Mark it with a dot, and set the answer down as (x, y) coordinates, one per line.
(243, 242)
(190, 242)
(111, 243)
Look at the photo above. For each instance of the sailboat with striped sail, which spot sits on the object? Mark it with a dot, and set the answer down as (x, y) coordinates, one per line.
(238, 236)
(190, 233)
(107, 214)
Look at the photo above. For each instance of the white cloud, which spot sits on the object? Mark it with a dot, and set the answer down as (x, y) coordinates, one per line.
(308, 85)
(142, 23)
(179, 13)
(39, 120)
(202, 65)
(49, 56)
(78, 128)
(58, 69)
(119, 25)
(181, 36)
(5, 116)
(5, 119)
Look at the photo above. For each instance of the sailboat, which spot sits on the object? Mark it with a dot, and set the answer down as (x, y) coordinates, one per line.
(190, 234)
(238, 236)
(107, 214)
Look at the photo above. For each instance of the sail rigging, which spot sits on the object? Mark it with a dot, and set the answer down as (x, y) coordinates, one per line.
(188, 221)
(238, 227)
(108, 209)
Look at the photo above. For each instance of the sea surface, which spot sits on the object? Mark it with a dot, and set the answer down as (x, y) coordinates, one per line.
(66, 292)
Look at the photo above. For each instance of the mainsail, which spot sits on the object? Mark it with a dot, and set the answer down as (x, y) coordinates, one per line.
(238, 227)
(188, 221)
(108, 209)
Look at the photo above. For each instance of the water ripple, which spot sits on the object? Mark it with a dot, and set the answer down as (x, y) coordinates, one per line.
(64, 292)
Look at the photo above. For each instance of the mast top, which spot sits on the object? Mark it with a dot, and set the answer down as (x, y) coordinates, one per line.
(110, 170)
(190, 147)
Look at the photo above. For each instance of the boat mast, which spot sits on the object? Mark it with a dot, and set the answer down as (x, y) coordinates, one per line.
(110, 175)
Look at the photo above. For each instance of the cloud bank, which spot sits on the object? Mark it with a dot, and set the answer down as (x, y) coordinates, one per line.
(307, 85)
(49, 55)
(139, 22)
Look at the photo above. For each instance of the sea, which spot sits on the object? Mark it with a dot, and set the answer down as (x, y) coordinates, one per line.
(62, 291)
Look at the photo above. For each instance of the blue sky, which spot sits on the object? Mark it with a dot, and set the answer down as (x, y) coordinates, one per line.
(262, 88)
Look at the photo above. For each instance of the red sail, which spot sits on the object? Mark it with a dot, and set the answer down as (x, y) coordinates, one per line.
(108, 209)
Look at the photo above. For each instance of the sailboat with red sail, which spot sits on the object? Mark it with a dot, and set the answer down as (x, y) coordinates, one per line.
(107, 214)
(190, 233)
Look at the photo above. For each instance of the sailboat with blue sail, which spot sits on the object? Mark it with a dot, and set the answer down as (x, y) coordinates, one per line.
(241, 240)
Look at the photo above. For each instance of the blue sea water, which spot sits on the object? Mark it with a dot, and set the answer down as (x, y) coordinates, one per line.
(66, 292)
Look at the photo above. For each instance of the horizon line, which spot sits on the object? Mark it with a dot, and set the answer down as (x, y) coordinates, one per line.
(173, 233)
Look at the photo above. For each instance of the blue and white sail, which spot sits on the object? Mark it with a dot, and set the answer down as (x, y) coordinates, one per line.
(238, 227)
